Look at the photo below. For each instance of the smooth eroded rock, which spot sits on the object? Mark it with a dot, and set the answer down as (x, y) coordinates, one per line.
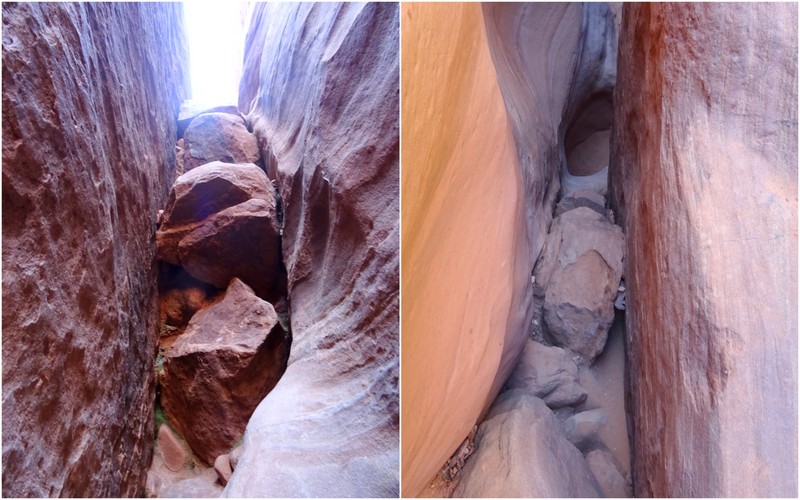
(216, 373)
(90, 96)
(578, 277)
(606, 472)
(704, 181)
(549, 373)
(583, 429)
(330, 427)
(219, 137)
(522, 453)
(172, 451)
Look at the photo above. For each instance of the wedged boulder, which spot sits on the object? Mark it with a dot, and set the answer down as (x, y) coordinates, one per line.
(219, 137)
(191, 109)
(583, 429)
(548, 373)
(589, 199)
(578, 277)
(215, 374)
(522, 453)
(606, 472)
(220, 223)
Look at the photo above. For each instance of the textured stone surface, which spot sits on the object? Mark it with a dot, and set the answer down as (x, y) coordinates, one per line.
(330, 427)
(216, 373)
(221, 223)
(606, 473)
(481, 168)
(583, 429)
(706, 190)
(90, 96)
(192, 109)
(172, 452)
(578, 278)
(522, 453)
(218, 137)
(548, 373)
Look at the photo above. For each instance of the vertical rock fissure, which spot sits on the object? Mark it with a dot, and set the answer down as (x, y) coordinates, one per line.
(225, 328)
(562, 412)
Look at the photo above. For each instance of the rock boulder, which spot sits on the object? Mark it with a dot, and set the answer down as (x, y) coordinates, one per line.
(216, 373)
(548, 373)
(522, 453)
(219, 137)
(578, 277)
(221, 223)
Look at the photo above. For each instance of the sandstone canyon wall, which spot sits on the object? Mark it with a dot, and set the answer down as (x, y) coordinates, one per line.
(90, 97)
(320, 88)
(488, 93)
(704, 175)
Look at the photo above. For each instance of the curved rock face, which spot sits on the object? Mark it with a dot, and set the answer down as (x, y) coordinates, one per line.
(90, 96)
(491, 90)
(465, 258)
(704, 176)
(330, 426)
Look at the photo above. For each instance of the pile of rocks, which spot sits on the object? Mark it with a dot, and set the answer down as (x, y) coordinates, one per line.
(542, 436)
(223, 346)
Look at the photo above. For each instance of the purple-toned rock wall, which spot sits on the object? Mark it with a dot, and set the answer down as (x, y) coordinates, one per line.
(91, 93)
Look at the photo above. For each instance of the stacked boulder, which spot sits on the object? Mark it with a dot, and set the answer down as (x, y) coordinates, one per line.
(542, 436)
(224, 345)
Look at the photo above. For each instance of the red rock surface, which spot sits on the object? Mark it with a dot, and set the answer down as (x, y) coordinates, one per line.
(172, 452)
(215, 374)
(218, 137)
(90, 97)
(330, 427)
(704, 178)
(221, 223)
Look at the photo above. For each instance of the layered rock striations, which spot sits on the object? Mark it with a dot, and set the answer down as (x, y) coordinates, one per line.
(90, 97)
(320, 90)
(704, 178)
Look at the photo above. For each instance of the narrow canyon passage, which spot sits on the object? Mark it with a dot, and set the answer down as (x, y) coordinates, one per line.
(586, 204)
(194, 296)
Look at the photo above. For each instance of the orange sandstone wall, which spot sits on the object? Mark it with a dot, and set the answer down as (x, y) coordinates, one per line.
(465, 260)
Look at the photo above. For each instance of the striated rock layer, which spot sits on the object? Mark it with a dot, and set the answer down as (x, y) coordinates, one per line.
(90, 97)
(704, 176)
(491, 90)
(320, 88)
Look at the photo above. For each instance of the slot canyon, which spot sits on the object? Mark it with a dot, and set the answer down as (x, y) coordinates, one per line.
(200, 301)
(599, 250)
